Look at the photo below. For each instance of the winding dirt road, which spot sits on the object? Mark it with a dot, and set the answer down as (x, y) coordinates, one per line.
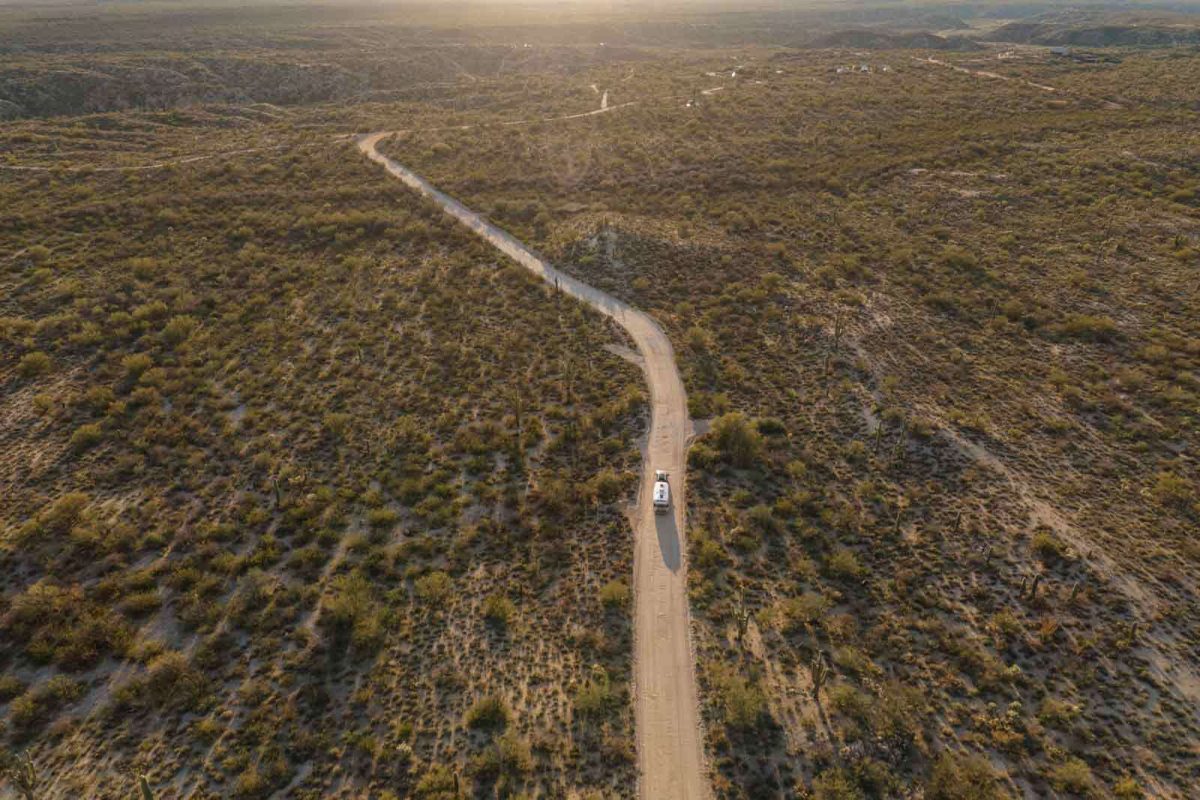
(670, 755)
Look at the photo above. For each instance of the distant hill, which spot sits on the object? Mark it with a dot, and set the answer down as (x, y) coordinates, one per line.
(1101, 29)
(884, 40)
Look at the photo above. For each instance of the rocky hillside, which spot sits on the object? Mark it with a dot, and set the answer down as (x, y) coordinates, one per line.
(1097, 29)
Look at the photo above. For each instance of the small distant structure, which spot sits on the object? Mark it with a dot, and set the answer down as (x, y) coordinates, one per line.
(1060, 50)
(865, 69)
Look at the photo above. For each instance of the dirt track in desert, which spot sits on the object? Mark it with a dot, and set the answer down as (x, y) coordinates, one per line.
(669, 743)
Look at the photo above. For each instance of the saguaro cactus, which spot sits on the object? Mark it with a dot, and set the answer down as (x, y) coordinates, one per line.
(820, 673)
(21, 773)
(741, 615)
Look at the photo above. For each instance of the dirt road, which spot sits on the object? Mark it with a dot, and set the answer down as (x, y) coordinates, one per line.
(981, 73)
(670, 755)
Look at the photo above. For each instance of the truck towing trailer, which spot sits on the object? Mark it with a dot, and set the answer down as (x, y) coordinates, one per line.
(662, 492)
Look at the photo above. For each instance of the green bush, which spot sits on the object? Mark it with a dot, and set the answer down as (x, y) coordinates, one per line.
(438, 783)
(596, 696)
(806, 609)
(351, 607)
(498, 610)
(86, 437)
(962, 777)
(1073, 775)
(742, 702)
(135, 364)
(959, 259)
(1089, 327)
(170, 682)
(487, 713)
(33, 364)
(614, 594)
(738, 441)
(1174, 490)
(836, 784)
(843, 563)
(10, 687)
(1048, 547)
(434, 586)
(178, 329)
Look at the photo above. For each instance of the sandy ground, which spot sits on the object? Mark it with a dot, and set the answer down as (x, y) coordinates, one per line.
(670, 753)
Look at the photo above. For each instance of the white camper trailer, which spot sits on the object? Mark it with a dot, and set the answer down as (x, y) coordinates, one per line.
(662, 492)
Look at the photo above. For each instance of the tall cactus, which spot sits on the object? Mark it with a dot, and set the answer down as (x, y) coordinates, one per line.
(21, 773)
(741, 615)
(820, 673)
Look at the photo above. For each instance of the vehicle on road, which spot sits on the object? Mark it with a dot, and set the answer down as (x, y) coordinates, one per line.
(662, 492)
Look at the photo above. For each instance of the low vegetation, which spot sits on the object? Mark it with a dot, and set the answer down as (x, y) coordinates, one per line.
(295, 472)
(308, 493)
(940, 329)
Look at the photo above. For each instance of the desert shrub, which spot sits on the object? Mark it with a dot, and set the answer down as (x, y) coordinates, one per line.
(762, 518)
(771, 426)
(606, 485)
(805, 609)
(1072, 775)
(962, 777)
(498, 610)
(86, 437)
(850, 701)
(178, 329)
(33, 364)
(438, 783)
(382, 517)
(408, 437)
(434, 586)
(958, 259)
(615, 594)
(1054, 711)
(896, 715)
(737, 439)
(36, 706)
(1048, 547)
(62, 515)
(1173, 490)
(1128, 789)
(742, 701)
(135, 364)
(487, 713)
(58, 624)
(1089, 327)
(351, 608)
(836, 784)
(337, 423)
(698, 340)
(516, 757)
(10, 687)
(596, 695)
(510, 757)
(141, 603)
(843, 563)
(556, 497)
(170, 682)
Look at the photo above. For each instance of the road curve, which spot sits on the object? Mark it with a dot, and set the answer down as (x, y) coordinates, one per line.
(670, 755)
